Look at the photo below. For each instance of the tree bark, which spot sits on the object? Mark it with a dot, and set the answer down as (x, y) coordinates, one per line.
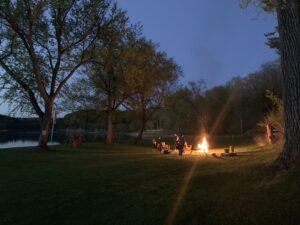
(45, 121)
(288, 14)
(143, 125)
(109, 131)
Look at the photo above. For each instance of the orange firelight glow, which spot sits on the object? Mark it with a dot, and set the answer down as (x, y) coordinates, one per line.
(203, 147)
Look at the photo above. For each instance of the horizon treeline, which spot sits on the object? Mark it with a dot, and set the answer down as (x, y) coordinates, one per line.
(234, 108)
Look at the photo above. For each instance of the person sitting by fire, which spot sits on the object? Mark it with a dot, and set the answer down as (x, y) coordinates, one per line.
(159, 144)
(181, 145)
(176, 143)
(154, 142)
(187, 146)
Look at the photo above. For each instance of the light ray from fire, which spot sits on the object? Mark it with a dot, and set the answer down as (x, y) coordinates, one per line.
(182, 192)
(224, 111)
(187, 180)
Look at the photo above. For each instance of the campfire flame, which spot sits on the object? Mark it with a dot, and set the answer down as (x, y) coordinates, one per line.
(203, 147)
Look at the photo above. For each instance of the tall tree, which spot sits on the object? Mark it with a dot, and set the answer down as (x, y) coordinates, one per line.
(288, 16)
(109, 75)
(152, 76)
(197, 103)
(43, 44)
(186, 108)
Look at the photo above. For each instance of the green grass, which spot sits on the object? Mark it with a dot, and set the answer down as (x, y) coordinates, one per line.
(123, 184)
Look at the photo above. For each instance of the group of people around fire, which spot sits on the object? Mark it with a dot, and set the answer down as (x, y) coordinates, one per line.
(180, 144)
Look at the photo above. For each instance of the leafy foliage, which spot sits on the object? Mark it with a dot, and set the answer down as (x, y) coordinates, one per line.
(226, 109)
(275, 116)
(43, 44)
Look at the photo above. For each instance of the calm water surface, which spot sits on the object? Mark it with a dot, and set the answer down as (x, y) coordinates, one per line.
(9, 139)
(22, 139)
(20, 143)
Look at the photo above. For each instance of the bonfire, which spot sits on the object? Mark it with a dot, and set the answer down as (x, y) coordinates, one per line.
(203, 147)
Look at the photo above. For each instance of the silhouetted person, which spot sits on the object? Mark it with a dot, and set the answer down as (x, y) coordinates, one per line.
(158, 145)
(154, 142)
(176, 142)
(181, 144)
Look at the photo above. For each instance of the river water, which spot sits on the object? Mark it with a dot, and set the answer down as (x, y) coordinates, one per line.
(9, 139)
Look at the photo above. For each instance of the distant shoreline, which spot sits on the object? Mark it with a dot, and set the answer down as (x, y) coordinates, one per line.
(15, 130)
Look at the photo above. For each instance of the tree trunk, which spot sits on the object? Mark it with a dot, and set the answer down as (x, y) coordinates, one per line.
(46, 120)
(288, 14)
(109, 131)
(143, 125)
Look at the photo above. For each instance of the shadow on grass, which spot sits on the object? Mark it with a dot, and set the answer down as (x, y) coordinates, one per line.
(256, 194)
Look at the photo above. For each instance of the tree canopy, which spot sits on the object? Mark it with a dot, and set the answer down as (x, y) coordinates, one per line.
(43, 44)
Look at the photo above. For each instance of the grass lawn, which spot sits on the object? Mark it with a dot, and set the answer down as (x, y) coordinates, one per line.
(123, 184)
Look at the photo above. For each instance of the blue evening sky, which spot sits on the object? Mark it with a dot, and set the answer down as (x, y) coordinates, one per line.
(213, 40)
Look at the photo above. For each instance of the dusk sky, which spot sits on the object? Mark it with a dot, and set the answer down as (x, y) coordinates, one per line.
(213, 40)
